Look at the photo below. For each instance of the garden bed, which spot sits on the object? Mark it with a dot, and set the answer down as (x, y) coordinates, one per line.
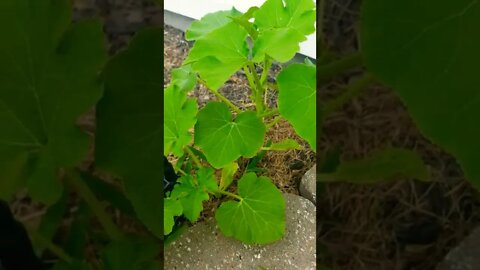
(285, 168)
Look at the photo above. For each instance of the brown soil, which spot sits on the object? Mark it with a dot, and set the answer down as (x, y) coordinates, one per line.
(398, 225)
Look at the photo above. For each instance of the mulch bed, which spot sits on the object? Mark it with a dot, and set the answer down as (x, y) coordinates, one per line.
(397, 225)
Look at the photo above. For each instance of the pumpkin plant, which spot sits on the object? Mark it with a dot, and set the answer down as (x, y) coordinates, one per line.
(224, 43)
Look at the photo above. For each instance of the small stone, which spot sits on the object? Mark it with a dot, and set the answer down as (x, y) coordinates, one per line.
(465, 256)
(308, 185)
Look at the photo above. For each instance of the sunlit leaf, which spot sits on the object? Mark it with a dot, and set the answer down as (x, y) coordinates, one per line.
(224, 140)
(259, 218)
(297, 99)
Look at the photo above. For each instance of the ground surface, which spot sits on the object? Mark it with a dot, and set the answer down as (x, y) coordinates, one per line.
(398, 225)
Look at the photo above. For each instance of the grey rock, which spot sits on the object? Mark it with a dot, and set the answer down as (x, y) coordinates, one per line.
(465, 256)
(308, 185)
(203, 246)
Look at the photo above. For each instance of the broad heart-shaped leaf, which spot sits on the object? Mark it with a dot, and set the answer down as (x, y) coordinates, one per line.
(134, 254)
(210, 22)
(223, 140)
(192, 192)
(180, 116)
(296, 14)
(219, 54)
(259, 218)
(129, 132)
(280, 44)
(297, 99)
(172, 208)
(48, 71)
(386, 164)
(428, 52)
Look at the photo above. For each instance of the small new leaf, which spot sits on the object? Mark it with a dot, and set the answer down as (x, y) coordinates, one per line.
(227, 175)
(284, 145)
(191, 195)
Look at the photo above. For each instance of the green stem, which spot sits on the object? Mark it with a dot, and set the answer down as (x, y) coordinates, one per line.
(58, 251)
(221, 97)
(269, 113)
(259, 92)
(267, 64)
(250, 79)
(333, 69)
(350, 92)
(230, 194)
(75, 180)
(274, 122)
(193, 156)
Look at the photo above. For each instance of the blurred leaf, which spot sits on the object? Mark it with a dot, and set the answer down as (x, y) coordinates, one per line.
(129, 132)
(383, 165)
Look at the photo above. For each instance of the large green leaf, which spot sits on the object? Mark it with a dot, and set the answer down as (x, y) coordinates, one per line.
(48, 71)
(134, 254)
(209, 22)
(387, 164)
(179, 118)
(259, 218)
(295, 14)
(129, 132)
(428, 52)
(282, 27)
(172, 208)
(223, 140)
(219, 54)
(297, 99)
(280, 44)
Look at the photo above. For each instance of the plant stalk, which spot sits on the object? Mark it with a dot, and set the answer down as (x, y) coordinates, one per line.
(75, 180)
(230, 194)
(56, 250)
(352, 90)
(333, 69)
(274, 122)
(259, 92)
(193, 156)
(221, 97)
